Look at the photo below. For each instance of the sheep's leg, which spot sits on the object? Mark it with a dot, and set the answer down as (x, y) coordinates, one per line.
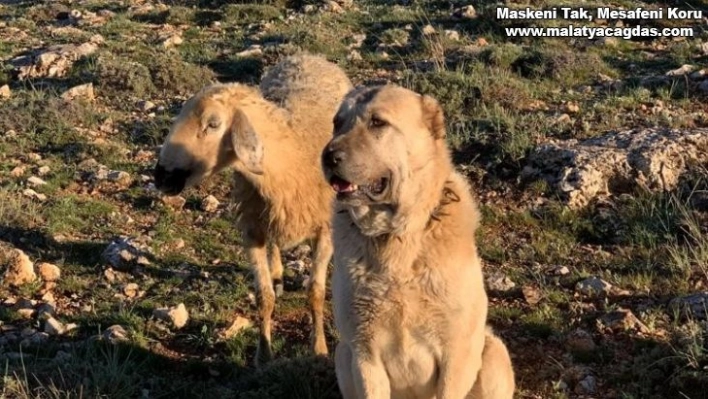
(258, 255)
(318, 279)
(276, 270)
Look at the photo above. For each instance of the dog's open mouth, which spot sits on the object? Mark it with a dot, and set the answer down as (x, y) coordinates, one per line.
(345, 189)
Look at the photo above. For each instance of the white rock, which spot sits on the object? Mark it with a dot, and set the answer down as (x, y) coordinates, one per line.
(593, 286)
(48, 271)
(53, 326)
(35, 181)
(84, 91)
(239, 324)
(354, 55)
(29, 193)
(429, 30)
(210, 204)
(5, 91)
(683, 70)
(115, 333)
(177, 315)
(499, 282)
(20, 269)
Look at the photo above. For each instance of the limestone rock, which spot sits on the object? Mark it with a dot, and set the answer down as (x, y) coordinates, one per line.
(20, 269)
(581, 171)
(177, 315)
(48, 271)
(54, 61)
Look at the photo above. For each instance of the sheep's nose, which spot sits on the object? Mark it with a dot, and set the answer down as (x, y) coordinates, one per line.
(332, 158)
(170, 182)
(160, 175)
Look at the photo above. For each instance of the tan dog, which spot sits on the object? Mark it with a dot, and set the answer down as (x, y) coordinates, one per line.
(272, 138)
(409, 300)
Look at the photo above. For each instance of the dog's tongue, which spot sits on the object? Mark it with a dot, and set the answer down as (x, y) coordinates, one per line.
(342, 186)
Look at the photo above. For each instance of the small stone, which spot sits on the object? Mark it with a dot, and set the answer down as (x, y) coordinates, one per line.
(20, 269)
(333, 7)
(110, 275)
(531, 294)
(683, 70)
(25, 309)
(238, 325)
(131, 290)
(45, 308)
(593, 286)
(499, 282)
(35, 181)
(704, 86)
(622, 320)
(119, 176)
(253, 51)
(560, 270)
(580, 340)
(123, 254)
(29, 193)
(53, 326)
(178, 243)
(564, 119)
(309, 8)
(39, 338)
(210, 204)
(174, 40)
(18, 171)
(691, 306)
(175, 202)
(466, 12)
(115, 333)
(700, 74)
(5, 91)
(572, 108)
(84, 91)
(27, 332)
(48, 271)
(354, 55)
(48, 297)
(587, 386)
(452, 35)
(428, 30)
(75, 14)
(44, 170)
(146, 106)
(177, 315)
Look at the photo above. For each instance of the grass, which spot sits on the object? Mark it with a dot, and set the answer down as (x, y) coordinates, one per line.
(502, 97)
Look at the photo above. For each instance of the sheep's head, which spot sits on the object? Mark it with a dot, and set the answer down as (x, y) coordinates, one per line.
(210, 133)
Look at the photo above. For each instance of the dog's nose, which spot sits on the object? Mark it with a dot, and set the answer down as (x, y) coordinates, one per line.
(332, 158)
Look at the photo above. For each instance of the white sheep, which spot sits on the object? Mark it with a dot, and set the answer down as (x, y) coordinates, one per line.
(272, 137)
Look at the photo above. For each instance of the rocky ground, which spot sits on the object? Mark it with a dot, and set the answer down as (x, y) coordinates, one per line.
(588, 158)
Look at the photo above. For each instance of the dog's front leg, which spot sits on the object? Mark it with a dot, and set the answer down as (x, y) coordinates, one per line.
(459, 369)
(370, 378)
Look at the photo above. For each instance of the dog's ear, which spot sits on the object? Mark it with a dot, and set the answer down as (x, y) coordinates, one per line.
(433, 116)
(246, 143)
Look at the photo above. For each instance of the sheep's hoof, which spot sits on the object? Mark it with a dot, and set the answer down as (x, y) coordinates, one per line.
(278, 288)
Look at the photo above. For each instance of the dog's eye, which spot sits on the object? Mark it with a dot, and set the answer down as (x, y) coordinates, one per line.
(377, 122)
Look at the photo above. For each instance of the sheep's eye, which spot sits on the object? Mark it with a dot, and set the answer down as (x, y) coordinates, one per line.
(377, 122)
(213, 123)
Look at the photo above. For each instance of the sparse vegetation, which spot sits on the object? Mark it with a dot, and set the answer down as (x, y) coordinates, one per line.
(502, 97)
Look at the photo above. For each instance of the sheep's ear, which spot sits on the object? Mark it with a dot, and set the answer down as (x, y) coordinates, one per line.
(433, 116)
(246, 143)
